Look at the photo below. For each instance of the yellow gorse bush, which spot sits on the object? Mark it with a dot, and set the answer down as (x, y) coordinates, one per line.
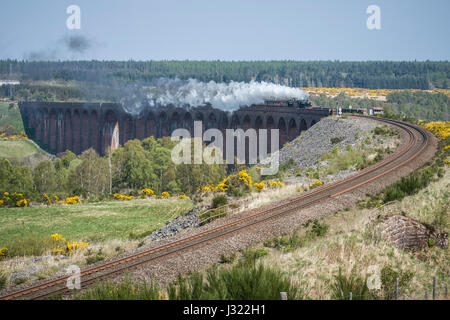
(56, 237)
(76, 245)
(183, 196)
(165, 195)
(123, 197)
(3, 252)
(259, 186)
(222, 186)
(243, 176)
(206, 189)
(276, 184)
(22, 203)
(315, 184)
(13, 200)
(148, 192)
(72, 200)
(21, 136)
(66, 247)
(47, 199)
(441, 129)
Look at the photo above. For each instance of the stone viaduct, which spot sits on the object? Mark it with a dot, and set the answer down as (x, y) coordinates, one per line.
(77, 126)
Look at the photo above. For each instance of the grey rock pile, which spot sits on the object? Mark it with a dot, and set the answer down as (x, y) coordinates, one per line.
(188, 220)
(307, 149)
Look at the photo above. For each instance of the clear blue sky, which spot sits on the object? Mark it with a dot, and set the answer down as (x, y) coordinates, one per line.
(229, 29)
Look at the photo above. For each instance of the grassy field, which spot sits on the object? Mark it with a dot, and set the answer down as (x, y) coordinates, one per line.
(10, 117)
(17, 149)
(90, 222)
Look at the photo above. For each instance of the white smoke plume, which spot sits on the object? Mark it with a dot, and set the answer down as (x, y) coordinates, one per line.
(225, 96)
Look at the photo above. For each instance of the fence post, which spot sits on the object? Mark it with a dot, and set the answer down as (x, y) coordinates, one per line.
(426, 295)
(396, 289)
(283, 295)
(434, 288)
(404, 297)
(351, 296)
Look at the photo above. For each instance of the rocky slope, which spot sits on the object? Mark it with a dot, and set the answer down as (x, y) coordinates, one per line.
(307, 149)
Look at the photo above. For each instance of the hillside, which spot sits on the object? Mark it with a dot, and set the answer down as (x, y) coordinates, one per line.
(10, 117)
(24, 152)
(352, 244)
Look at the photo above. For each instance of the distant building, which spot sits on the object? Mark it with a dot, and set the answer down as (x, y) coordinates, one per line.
(378, 110)
(9, 82)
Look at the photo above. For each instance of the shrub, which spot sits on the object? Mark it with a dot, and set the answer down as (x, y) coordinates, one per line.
(318, 229)
(336, 140)
(342, 285)
(165, 195)
(286, 243)
(228, 259)
(3, 252)
(122, 197)
(148, 192)
(211, 215)
(408, 185)
(96, 258)
(251, 255)
(29, 246)
(125, 290)
(240, 282)
(19, 281)
(440, 220)
(388, 281)
(259, 186)
(219, 201)
(288, 164)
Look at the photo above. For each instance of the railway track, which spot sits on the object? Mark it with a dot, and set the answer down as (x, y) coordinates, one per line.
(417, 140)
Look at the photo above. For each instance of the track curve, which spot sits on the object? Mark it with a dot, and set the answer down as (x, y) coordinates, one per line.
(417, 140)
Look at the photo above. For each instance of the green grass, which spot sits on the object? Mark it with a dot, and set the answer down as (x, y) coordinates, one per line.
(125, 290)
(89, 222)
(10, 117)
(17, 149)
(244, 281)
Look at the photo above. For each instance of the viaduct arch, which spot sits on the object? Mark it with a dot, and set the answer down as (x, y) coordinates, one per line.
(76, 126)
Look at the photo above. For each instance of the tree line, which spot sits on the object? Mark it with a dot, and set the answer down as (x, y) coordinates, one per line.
(369, 74)
(419, 105)
(136, 165)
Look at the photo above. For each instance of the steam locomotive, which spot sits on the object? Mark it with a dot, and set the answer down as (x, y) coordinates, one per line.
(292, 102)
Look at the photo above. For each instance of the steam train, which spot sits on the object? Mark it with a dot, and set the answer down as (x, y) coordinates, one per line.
(292, 102)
